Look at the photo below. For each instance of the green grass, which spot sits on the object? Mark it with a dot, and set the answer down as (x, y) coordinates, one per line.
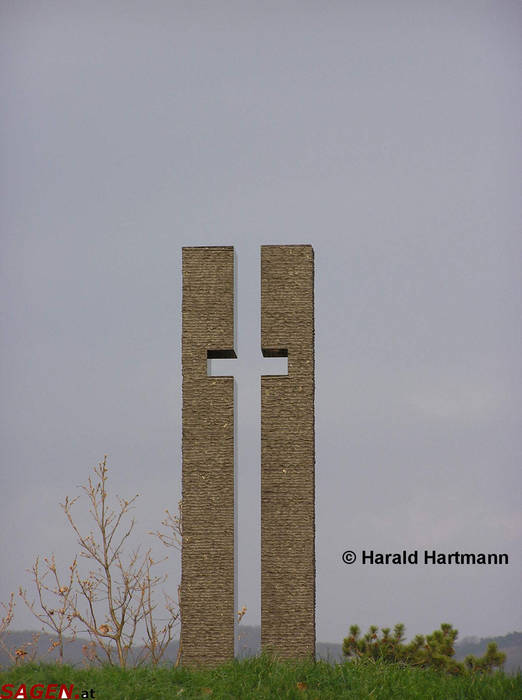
(264, 678)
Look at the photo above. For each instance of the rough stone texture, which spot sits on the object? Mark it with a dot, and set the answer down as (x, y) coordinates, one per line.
(207, 582)
(287, 453)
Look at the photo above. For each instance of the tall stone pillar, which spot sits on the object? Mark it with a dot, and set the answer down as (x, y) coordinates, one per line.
(288, 453)
(207, 582)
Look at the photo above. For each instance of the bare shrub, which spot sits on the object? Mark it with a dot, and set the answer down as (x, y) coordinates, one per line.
(116, 597)
(54, 606)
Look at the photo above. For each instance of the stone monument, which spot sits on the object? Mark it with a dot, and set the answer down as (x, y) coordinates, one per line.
(287, 456)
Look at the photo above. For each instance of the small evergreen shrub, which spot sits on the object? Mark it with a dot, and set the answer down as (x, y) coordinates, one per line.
(435, 650)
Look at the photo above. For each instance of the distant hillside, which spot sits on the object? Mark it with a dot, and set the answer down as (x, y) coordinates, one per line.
(249, 644)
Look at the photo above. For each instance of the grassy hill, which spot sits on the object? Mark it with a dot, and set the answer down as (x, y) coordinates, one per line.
(263, 678)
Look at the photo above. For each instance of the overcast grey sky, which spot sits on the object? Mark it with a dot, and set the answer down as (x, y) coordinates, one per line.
(387, 135)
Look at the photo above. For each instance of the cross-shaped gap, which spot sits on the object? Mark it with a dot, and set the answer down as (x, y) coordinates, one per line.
(251, 363)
